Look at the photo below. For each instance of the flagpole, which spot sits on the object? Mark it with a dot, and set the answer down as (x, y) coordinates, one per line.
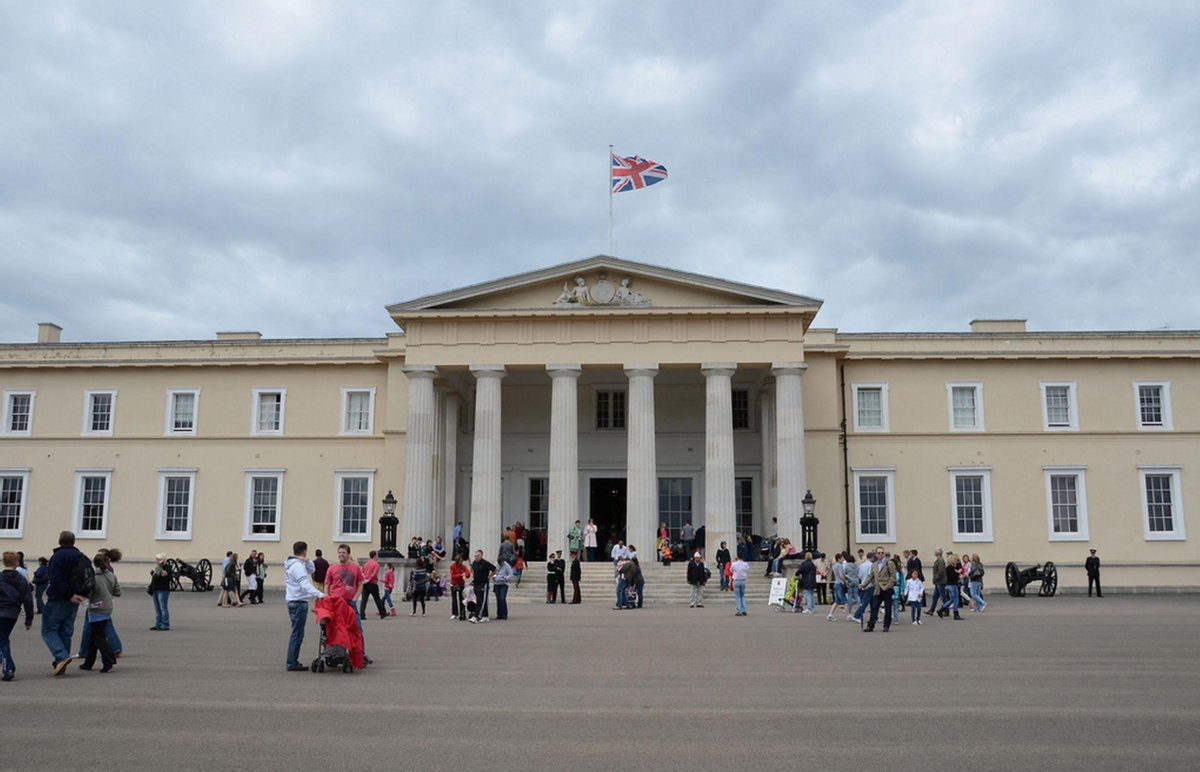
(610, 155)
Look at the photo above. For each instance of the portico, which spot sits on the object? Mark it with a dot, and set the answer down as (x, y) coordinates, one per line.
(688, 388)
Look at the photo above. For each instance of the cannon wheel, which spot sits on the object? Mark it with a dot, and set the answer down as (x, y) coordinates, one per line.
(1049, 580)
(1012, 580)
(203, 580)
(173, 566)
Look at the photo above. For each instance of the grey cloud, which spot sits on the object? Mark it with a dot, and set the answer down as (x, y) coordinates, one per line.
(168, 171)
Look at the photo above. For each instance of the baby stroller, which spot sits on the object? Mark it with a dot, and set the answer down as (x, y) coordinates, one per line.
(341, 643)
(793, 598)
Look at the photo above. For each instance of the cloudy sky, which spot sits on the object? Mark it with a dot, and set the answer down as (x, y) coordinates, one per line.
(172, 169)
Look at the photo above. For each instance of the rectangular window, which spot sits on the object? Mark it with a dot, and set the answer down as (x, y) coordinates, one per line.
(183, 412)
(743, 491)
(358, 411)
(93, 487)
(355, 496)
(18, 413)
(13, 486)
(675, 504)
(539, 502)
(971, 492)
(610, 409)
(1162, 505)
(1153, 405)
(875, 504)
(264, 501)
(1066, 503)
(741, 408)
(176, 491)
(268, 411)
(1059, 411)
(966, 406)
(870, 407)
(98, 409)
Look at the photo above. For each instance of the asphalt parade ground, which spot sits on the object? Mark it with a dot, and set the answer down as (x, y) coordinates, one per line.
(1033, 683)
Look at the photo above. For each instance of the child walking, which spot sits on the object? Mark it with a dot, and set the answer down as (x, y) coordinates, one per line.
(914, 591)
(389, 584)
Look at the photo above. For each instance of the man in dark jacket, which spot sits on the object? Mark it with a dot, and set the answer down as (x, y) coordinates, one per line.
(576, 576)
(722, 560)
(15, 594)
(939, 581)
(63, 597)
(41, 578)
(697, 575)
(883, 581)
(1092, 566)
(560, 577)
(481, 579)
(914, 564)
(806, 575)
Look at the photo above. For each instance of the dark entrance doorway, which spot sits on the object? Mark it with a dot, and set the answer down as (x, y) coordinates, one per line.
(607, 510)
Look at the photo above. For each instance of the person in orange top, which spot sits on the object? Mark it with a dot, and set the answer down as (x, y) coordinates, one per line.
(459, 573)
(666, 554)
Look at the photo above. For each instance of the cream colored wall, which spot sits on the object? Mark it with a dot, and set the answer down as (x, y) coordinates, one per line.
(920, 447)
(310, 450)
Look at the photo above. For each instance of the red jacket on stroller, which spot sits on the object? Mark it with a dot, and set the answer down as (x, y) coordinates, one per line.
(341, 627)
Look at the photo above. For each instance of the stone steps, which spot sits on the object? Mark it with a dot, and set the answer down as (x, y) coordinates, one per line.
(664, 585)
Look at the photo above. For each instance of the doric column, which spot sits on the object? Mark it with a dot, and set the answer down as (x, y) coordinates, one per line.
(564, 454)
(789, 444)
(484, 533)
(641, 493)
(450, 407)
(720, 519)
(416, 513)
(769, 468)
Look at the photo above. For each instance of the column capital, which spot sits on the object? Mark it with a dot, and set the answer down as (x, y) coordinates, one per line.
(488, 371)
(564, 370)
(646, 369)
(420, 371)
(718, 368)
(788, 368)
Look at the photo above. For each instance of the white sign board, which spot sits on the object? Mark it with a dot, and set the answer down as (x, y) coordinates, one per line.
(778, 590)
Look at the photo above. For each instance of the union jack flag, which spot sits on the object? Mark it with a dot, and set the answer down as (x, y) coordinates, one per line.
(634, 173)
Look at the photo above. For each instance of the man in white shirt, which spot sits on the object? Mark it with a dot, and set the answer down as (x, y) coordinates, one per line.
(739, 570)
(297, 569)
(619, 552)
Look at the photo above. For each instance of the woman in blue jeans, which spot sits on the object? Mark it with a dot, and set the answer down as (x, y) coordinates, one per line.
(976, 579)
(160, 588)
(110, 632)
(739, 570)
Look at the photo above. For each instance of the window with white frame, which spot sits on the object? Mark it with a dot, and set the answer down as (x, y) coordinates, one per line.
(971, 501)
(268, 411)
(18, 413)
(675, 504)
(1162, 503)
(176, 494)
(1059, 408)
(355, 497)
(264, 502)
(539, 502)
(870, 407)
(1153, 405)
(14, 489)
(93, 488)
(743, 498)
(966, 406)
(740, 402)
(99, 408)
(358, 410)
(1066, 503)
(183, 412)
(875, 504)
(610, 409)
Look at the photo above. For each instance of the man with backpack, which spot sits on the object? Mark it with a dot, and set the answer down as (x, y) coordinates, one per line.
(71, 582)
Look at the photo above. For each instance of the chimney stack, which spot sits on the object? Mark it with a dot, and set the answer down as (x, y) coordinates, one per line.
(49, 332)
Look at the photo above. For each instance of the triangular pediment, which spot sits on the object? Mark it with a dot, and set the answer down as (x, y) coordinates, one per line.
(600, 282)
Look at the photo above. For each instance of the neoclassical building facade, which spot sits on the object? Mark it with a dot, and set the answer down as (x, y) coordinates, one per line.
(622, 392)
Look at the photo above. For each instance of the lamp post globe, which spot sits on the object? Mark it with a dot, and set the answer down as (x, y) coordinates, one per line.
(808, 524)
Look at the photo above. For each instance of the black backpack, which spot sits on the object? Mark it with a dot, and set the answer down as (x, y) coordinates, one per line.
(83, 577)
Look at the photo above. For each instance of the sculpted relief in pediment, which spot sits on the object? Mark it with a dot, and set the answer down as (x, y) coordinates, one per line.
(601, 293)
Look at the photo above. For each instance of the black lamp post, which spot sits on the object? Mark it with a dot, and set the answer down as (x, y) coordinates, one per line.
(808, 524)
(387, 528)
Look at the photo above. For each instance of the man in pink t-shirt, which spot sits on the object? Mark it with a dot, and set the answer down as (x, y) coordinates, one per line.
(345, 580)
(370, 589)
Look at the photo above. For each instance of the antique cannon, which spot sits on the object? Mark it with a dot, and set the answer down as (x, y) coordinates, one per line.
(1016, 578)
(200, 574)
